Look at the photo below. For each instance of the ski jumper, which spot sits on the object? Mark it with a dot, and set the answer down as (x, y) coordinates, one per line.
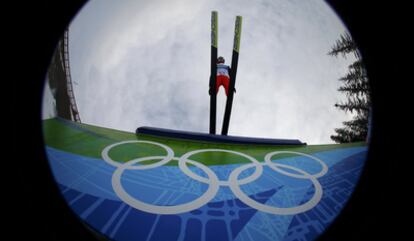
(223, 77)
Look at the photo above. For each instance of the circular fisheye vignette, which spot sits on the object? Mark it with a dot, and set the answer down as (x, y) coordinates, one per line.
(76, 147)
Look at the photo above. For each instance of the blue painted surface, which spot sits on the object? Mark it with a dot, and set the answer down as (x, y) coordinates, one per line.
(338, 187)
(83, 203)
(86, 185)
(120, 222)
(193, 230)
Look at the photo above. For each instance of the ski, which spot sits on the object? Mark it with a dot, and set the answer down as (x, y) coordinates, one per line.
(233, 72)
(213, 71)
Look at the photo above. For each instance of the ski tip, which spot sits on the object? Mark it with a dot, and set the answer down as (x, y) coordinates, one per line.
(214, 29)
(237, 34)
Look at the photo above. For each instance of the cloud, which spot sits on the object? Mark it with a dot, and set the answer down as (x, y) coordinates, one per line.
(147, 63)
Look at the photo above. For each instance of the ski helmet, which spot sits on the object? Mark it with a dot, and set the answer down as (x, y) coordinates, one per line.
(220, 60)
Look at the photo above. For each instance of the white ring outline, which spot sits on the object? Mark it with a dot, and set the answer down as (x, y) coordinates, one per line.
(213, 181)
(186, 170)
(135, 203)
(275, 167)
(166, 159)
(235, 188)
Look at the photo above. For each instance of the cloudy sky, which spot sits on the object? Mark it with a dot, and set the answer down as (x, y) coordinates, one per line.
(147, 63)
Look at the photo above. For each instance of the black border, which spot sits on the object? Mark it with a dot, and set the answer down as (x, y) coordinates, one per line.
(372, 211)
(39, 211)
(375, 208)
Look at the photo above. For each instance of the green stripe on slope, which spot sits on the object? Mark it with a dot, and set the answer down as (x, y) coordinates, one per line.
(88, 140)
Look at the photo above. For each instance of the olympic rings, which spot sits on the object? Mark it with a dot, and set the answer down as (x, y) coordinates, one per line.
(235, 188)
(184, 159)
(165, 160)
(204, 199)
(213, 181)
(275, 167)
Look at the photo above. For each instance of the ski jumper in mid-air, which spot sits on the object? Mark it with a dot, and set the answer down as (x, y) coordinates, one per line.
(223, 75)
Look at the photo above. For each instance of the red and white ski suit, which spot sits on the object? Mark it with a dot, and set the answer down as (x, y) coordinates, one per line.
(223, 78)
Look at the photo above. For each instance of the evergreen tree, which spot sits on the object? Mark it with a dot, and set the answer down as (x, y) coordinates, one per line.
(354, 104)
(356, 87)
(344, 45)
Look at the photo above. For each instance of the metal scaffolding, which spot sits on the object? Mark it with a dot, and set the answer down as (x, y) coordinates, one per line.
(71, 94)
(60, 81)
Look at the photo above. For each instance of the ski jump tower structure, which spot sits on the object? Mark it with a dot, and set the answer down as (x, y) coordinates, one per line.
(60, 81)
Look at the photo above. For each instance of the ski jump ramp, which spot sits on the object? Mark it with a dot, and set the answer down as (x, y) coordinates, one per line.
(147, 186)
